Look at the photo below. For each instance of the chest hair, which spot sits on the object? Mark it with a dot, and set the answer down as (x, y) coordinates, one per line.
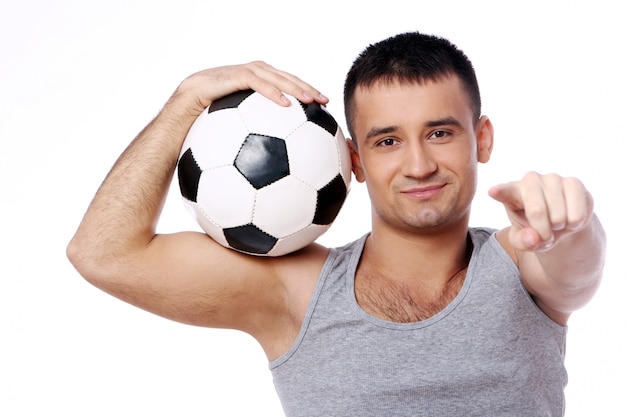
(404, 302)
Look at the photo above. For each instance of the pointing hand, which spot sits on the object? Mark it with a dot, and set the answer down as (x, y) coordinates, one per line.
(543, 209)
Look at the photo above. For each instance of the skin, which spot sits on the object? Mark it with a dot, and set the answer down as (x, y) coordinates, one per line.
(417, 148)
(421, 181)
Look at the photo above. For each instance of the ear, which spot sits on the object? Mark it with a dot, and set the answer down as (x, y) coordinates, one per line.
(484, 139)
(356, 161)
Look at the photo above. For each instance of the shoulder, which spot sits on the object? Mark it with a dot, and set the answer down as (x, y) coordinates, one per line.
(502, 236)
(287, 295)
(481, 234)
(305, 263)
(299, 272)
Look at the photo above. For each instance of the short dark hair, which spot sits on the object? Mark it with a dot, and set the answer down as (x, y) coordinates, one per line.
(410, 57)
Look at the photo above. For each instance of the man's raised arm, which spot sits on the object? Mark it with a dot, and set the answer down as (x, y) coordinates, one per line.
(184, 276)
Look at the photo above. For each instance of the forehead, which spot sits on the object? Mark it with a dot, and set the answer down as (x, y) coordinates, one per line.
(385, 102)
(441, 88)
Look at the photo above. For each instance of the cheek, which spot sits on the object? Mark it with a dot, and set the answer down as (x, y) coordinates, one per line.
(378, 178)
(469, 180)
(461, 164)
(461, 158)
(374, 167)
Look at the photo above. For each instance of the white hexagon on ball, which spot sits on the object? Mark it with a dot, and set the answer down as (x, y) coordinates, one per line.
(226, 184)
(313, 155)
(284, 207)
(264, 122)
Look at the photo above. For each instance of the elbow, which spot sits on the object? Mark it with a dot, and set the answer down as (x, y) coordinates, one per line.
(75, 255)
(88, 261)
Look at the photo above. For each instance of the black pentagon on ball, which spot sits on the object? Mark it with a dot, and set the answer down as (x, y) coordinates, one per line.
(230, 101)
(249, 238)
(316, 114)
(188, 176)
(329, 201)
(262, 160)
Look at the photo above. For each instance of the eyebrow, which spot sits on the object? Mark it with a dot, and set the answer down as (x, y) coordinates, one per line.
(377, 131)
(446, 121)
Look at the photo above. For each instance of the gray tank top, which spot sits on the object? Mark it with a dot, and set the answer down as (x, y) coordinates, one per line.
(490, 352)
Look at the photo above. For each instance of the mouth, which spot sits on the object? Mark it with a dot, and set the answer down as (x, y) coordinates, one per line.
(425, 192)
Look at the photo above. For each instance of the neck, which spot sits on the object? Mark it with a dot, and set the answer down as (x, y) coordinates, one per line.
(432, 258)
(410, 278)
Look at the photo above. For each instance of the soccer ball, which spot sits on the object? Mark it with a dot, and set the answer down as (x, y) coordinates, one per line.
(264, 179)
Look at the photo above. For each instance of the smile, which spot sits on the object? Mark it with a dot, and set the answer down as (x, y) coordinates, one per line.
(424, 192)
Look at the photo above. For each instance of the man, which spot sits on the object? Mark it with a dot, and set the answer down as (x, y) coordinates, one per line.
(422, 316)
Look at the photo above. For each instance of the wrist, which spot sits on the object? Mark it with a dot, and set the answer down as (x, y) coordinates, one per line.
(180, 111)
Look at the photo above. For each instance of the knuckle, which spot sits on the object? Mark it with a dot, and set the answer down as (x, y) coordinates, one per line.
(576, 219)
(531, 176)
(534, 211)
(573, 183)
(552, 178)
(257, 63)
(558, 220)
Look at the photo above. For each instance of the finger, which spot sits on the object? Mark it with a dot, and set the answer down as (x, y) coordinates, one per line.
(510, 196)
(527, 208)
(508, 193)
(579, 204)
(272, 83)
(536, 209)
(302, 90)
(555, 200)
(527, 239)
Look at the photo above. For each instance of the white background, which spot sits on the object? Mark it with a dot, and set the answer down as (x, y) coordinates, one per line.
(79, 79)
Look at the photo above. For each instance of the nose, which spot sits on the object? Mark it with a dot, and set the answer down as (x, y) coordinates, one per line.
(418, 161)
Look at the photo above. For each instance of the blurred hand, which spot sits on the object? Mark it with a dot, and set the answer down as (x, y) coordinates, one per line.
(543, 209)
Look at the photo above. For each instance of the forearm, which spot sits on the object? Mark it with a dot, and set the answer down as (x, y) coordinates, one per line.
(567, 276)
(576, 261)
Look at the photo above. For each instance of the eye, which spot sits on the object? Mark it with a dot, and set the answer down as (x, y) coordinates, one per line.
(387, 142)
(440, 134)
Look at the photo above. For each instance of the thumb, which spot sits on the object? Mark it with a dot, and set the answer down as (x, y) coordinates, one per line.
(527, 239)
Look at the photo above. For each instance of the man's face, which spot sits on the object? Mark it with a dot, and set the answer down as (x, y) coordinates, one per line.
(418, 149)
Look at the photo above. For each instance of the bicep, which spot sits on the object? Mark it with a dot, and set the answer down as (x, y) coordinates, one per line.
(189, 278)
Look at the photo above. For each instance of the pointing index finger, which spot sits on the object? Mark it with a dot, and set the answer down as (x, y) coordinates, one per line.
(507, 193)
